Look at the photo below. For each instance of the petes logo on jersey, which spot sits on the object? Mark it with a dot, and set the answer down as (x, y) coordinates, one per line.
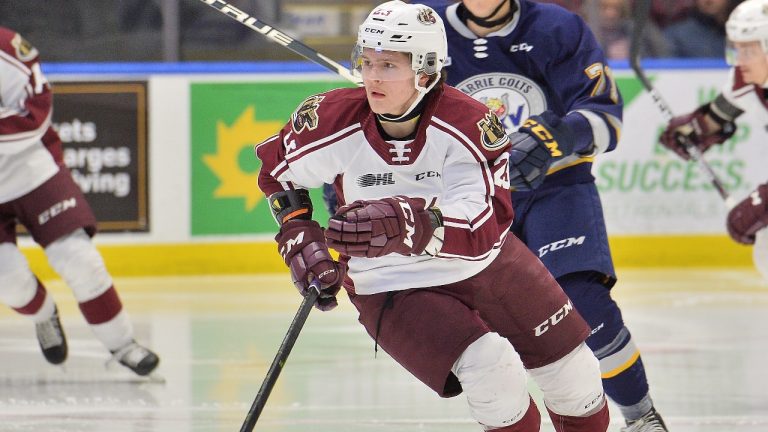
(24, 50)
(513, 98)
(305, 117)
(492, 132)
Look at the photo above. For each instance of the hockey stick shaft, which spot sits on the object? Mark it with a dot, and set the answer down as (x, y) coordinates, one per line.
(281, 357)
(641, 17)
(279, 37)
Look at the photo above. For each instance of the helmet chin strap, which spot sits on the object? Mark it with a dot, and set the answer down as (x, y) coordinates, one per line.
(486, 22)
(410, 113)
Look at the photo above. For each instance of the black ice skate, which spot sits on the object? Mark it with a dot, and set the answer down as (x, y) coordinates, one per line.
(50, 336)
(136, 358)
(650, 422)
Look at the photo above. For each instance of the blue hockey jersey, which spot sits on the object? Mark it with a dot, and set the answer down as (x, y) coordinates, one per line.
(546, 58)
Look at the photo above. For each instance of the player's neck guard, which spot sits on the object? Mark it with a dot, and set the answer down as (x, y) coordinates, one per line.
(465, 15)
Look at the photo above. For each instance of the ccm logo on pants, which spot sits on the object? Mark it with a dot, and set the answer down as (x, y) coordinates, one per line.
(554, 319)
(55, 210)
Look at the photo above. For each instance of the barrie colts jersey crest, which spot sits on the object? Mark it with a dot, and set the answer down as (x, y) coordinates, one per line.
(512, 97)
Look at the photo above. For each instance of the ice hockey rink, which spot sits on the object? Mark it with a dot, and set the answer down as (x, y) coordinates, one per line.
(702, 334)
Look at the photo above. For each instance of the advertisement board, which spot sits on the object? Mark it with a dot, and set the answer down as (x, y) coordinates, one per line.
(648, 190)
(208, 214)
(103, 128)
(227, 121)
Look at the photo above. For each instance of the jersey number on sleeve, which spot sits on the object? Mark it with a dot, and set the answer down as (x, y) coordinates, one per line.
(602, 73)
(500, 171)
(38, 78)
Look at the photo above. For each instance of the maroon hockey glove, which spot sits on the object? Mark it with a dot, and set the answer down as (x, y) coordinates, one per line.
(380, 227)
(749, 216)
(694, 128)
(539, 142)
(302, 245)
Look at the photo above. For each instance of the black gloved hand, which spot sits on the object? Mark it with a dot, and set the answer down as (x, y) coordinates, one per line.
(539, 142)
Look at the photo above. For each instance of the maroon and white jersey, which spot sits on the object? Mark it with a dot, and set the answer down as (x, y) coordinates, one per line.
(746, 97)
(29, 147)
(457, 162)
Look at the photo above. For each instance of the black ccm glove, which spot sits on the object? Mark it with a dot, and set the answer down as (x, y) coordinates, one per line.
(539, 142)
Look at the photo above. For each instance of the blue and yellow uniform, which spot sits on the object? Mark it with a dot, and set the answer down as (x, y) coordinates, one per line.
(546, 59)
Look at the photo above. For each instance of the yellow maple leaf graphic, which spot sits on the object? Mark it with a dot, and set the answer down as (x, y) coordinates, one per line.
(230, 141)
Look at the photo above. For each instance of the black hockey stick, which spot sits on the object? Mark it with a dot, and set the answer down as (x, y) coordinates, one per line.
(642, 10)
(275, 35)
(280, 358)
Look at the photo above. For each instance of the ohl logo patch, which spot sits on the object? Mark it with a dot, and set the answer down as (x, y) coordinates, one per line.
(305, 117)
(367, 180)
(492, 132)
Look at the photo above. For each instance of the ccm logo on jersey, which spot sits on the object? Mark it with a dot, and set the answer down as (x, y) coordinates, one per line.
(428, 174)
(545, 136)
(55, 210)
(554, 319)
(521, 47)
(560, 244)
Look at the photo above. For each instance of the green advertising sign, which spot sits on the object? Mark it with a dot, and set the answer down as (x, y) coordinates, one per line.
(656, 169)
(228, 120)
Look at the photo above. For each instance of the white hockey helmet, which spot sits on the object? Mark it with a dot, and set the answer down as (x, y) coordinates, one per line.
(410, 28)
(749, 22)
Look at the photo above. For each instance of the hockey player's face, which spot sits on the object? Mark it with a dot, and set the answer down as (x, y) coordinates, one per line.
(751, 59)
(483, 8)
(388, 80)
